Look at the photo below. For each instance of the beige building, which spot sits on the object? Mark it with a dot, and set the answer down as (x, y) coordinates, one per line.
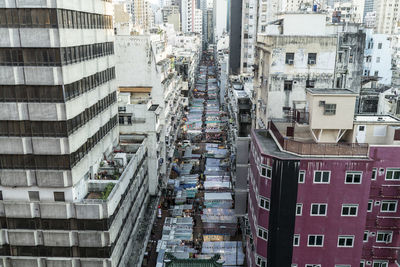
(387, 16)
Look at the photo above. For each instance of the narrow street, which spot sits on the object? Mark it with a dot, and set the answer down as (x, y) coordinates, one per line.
(196, 218)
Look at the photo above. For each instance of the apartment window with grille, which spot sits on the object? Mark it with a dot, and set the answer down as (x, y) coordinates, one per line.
(289, 58)
(59, 196)
(384, 237)
(389, 206)
(33, 195)
(366, 235)
(296, 240)
(266, 171)
(299, 209)
(264, 203)
(380, 264)
(374, 173)
(349, 209)
(370, 205)
(302, 177)
(287, 85)
(330, 109)
(262, 233)
(318, 209)
(315, 240)
(353, 177)
(322, 177)
(312, 58)
(345, 241)
(392, 174)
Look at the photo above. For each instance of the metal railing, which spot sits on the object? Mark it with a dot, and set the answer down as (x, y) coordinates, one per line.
(319, 149)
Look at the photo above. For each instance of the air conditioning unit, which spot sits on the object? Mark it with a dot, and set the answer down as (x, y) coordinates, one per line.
(377, 203)
(290, 61)
(369, 263)
(311, 62)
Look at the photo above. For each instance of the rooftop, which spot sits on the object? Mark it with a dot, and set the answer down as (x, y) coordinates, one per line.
(376, 118)
(318, 91)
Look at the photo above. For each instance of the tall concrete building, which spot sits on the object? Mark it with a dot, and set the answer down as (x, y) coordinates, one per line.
(249, 35)
(188, 15)
(235, 36)
(387, 16)
(220, 14)
(68, 187)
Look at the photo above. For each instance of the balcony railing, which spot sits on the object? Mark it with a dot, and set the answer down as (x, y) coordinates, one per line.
(319, 149)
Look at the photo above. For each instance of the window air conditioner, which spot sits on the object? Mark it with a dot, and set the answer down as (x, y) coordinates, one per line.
(311, 62)
(290, 61)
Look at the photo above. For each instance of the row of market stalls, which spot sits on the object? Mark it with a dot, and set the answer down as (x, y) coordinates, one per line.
(201, 223)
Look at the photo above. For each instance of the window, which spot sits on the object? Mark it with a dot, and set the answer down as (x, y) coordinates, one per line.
(315, 240)
(312, 265)
(389, 206)
(287, 85)
(322, 177)
(384, 237)
(261, 262)
(312, 58)
(353, 177)
(349, 209)
(296, 240)
(330, 109)
(289, 58)
(33, 195)
(302, 176)
(318, 209)
(392, 174)
(380, 264)
(264, 203)
(376, 73)
(378, 59)
(262, 233)
(370, 205)
(379, 45)
(266, 171)
(365, 237)
(345, 241)
(1, 195)
(374, 173)
(362, 263)
(299, 209)
(59, 196)
(342, 265)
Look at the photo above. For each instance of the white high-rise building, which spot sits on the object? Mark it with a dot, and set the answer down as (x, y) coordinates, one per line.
(198, 21)
(220, 14)
(188, 15)
(249, 35)
(67, 186)
(387, 16)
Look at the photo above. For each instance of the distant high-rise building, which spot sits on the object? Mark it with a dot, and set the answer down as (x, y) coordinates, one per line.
(220, 10)
(188, 10)
(235, 36)
(387, 16)
(249, 35)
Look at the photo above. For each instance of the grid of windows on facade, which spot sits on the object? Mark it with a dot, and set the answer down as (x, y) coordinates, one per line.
(53, 18)
(56, 128)
(54, 56)
(56, 162)
(56, 93)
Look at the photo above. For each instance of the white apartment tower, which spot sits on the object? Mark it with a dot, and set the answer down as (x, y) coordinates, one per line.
(249, 35)
(387, 16)
(58, 121)
(188, 10)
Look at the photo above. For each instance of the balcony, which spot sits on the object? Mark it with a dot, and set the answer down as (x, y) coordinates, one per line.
(384, 253)
(308, 147)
